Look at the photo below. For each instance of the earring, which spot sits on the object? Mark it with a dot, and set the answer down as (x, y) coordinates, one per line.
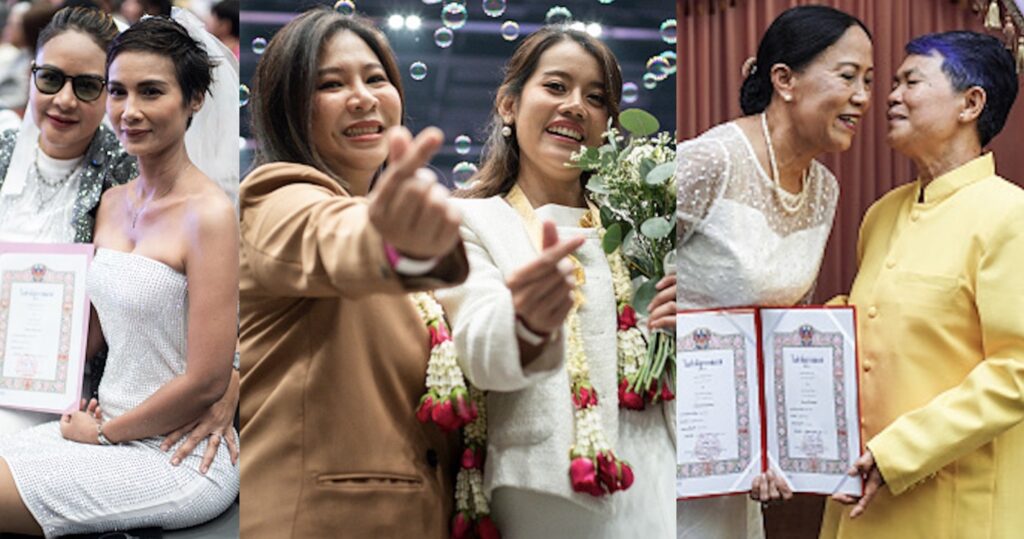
(787, 98)
(506, 130)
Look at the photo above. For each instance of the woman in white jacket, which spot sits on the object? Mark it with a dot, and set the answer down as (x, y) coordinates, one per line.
(541, 331)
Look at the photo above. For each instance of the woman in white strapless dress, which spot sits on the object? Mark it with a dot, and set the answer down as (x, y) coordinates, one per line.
(164, 284)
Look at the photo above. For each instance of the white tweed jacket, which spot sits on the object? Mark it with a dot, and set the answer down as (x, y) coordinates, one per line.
(530, 413)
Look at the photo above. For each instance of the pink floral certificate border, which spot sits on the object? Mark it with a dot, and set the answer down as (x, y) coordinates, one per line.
(818, 339)
(67, 280)
(735, 344)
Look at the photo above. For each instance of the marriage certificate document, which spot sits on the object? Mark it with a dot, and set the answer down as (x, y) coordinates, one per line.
(44, 316)
(761, 389)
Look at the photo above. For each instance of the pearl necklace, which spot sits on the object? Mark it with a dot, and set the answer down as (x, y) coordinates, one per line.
(789, 202)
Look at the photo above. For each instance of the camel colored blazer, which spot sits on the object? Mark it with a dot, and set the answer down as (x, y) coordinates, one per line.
(334, 358)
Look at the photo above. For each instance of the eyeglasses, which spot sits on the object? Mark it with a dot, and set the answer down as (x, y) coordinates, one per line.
(50, 80)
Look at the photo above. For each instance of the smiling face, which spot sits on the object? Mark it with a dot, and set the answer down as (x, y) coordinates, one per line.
(563, 104)
(354, 104)
(66, 123)
(145, 103)
(923, 106)
(833, 92)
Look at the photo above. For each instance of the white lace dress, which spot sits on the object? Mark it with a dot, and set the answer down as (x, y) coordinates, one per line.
(743, 241)
(71, 487)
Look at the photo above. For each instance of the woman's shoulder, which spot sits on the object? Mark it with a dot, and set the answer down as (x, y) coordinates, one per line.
(269, 177)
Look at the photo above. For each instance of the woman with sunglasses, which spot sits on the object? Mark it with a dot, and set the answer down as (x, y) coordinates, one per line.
(54, 169)
(164, 289)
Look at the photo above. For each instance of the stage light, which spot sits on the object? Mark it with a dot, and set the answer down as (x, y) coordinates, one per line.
(578, 26)
(594, 29)
(413, 22)
(396, 22)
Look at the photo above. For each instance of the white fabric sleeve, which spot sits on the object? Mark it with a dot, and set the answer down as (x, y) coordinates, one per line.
(483, 326)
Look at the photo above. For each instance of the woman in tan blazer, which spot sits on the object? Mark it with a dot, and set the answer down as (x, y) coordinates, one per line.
(334, 352)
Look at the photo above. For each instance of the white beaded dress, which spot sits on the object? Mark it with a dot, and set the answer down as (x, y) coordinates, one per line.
(743, 241)
(71, 487)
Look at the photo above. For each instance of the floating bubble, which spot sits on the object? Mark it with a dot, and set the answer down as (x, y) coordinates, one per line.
(630, 92)
(463, 144)
(418, 71)
(659, 67)
(462, 172)
(606, 2)
(494, 8)
(650, 81)
(668, 31)
(431, 2)
(454, 15)
(345, 7)
(241, 144)
(558, 15)
(670, 59)
(259, 45)
(243, 95)
(509, 30)
(443, 37)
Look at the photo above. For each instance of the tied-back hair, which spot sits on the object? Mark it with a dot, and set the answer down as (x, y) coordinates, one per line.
(500, 165)
(973, 59)
(795, 38)
(94, 23)
(165, 37)
(285, 83)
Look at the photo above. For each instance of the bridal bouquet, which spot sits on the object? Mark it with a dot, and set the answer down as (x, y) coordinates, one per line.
(633, 183)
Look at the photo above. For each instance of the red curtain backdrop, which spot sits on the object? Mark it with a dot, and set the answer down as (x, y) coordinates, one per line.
(713, 46)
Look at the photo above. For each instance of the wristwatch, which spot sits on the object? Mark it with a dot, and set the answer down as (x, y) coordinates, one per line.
(103, 440)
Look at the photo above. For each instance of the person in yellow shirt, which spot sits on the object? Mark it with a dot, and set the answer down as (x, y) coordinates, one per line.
(940, 299)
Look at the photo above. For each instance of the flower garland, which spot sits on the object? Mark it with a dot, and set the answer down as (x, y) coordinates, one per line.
(594, 468)
(451, 404)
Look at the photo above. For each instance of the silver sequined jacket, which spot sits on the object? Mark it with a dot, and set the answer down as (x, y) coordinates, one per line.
(106, 165)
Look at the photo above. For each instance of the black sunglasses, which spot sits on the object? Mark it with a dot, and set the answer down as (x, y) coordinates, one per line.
(50, 80)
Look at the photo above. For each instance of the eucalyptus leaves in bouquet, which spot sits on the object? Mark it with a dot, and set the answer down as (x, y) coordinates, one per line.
(632, 181)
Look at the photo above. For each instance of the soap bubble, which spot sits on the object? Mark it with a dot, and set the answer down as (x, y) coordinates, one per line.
(558, 15)
(443, 37)
(658, 66)
(668, 31)
(630, 92)
(494, 8)
(463, 144)
(345, 7)
(243, 95)
(509, 30)
(259, 45)
(418, 71)
(454, 16)
(462, 172)
(650, 81)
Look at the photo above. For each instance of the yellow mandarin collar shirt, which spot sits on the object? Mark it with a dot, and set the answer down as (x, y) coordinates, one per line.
(940, 302)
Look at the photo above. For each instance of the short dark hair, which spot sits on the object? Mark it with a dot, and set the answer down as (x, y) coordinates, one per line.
(973, 59)
(94, 23)
(284, 84)
(227, 10)
(795, 38)
(163, 36)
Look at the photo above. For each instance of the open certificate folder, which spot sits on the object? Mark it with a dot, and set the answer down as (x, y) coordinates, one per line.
(44, 316)
(767, 388)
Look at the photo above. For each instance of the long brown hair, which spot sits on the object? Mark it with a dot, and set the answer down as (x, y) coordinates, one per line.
(285, 82)
(500, 165)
